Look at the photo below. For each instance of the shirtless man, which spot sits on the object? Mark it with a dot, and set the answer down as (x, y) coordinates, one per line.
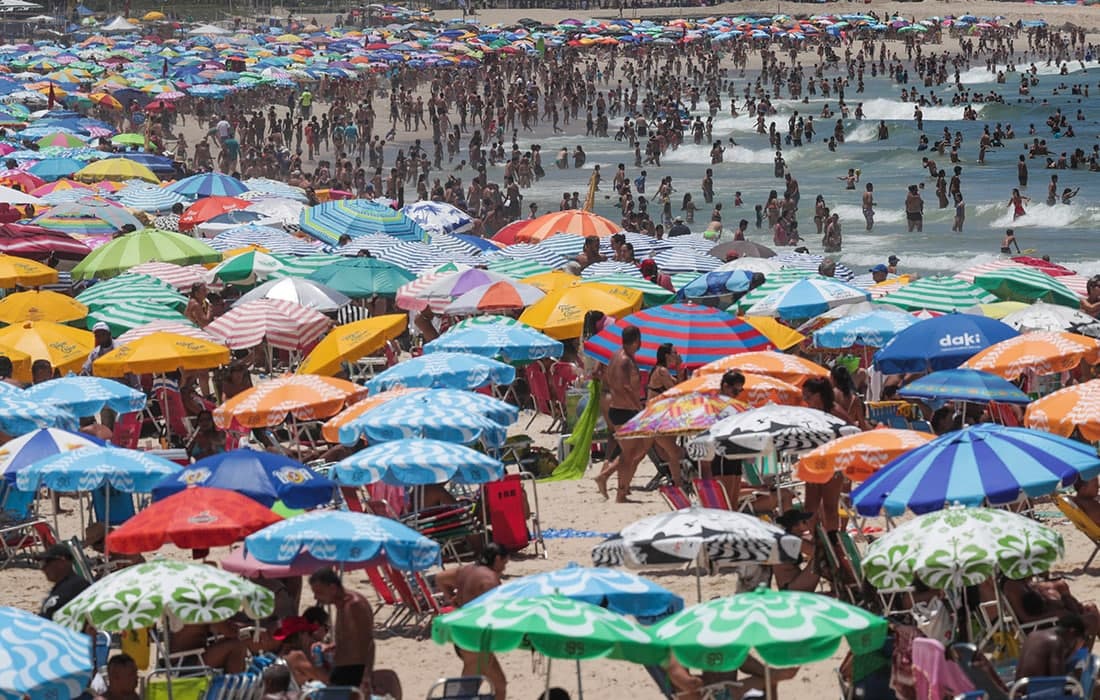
(624, 384)
(588, 255)
(1047, 652)
(228, 653)
(122, 679)
(460, 585)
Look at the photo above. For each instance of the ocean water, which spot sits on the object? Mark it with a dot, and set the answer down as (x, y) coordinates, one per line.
(1067, 233)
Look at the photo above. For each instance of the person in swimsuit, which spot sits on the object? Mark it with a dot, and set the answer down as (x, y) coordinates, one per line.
(661, 379)
(726, 470)
(790, 576)
(914, 210)
(624, 383)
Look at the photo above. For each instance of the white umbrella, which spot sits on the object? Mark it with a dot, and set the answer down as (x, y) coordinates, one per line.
(1053, 317)
(300, 291)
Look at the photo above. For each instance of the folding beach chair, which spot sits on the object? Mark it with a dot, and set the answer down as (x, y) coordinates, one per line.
(463, 688)
(1082, 522)
(675, 497)
(507, 516)
(541, 399)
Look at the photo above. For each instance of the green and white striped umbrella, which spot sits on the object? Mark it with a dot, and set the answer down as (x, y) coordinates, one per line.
(142, 246)
(958, 547)
(131, 288)
(782, 628)
(246, 269)
(944, 294)
(303, 266)
(1027, 284)
(518, 268)
(772, 282)
(184, 593)
(128, 315)
(652, 294)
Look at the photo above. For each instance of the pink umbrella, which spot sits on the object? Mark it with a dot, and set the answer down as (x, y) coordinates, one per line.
(240, 562)
(179, 276)
(283, 324)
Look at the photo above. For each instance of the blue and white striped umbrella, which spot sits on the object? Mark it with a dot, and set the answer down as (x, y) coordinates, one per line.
(439, 217)
(66, 196)
(611, 267)
(453, 245)
(279, 189)
(685, 259)
(416, 463)
(497, 337)
(340, 536)
(695, 241)
(873, 329)
(357, 217)
(208, 185)
(444, 370)
(565, 245)
(807, 298)
(88, 468)
(644, 246)
(715, 284)
(149, 198)
(414, 257)
(985, 463)
(867, 280)
(19, 415)
(273, 239)
(375, 243)
(86, 396)
(533, 252)
(810, 262)
(440, 414)
(42, 659)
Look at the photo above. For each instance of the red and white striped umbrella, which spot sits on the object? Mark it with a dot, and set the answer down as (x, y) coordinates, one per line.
(283, 324)
(179, 276)
(408, 295)
(164, 327)
(1077, 283)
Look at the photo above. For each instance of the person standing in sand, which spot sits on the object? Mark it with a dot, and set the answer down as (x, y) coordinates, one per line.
(624, 382)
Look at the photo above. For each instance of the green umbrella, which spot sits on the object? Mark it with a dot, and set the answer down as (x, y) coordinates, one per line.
(304, 265)
(958, 547)
(129, 315)
(183, 593)
(773, 281)
(142, 246)
(362, 277)
(128, 139)
(131, 288)
(1027, 284)
(652, 294)
(517, 268)
(944, 294)
(247, 269)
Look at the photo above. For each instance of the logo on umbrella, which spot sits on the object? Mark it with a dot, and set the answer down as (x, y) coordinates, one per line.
(195, 477)
(292, 475)
(203, 518)
(964, 340)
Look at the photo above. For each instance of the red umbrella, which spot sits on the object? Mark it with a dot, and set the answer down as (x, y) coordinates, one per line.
(39, 243)
(1052, 269)
(195, 518)
(25, 180)
(207, 208)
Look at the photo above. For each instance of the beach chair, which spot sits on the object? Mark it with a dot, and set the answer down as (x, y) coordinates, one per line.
(1082, 522)
(188, 683)
(1089, 674)
(510, 526)
(127, 432)
(418, 613)
(978, 670)
(22, 541)
(675, 497)
(449, 525)
(1046, 688)
(562, 376)
(712, 494)
(868, 675)
(462, 688)
(841, 577)
(541, 400)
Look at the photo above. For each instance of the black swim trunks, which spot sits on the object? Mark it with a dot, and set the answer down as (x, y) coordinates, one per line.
(618, 418)
(351, 675)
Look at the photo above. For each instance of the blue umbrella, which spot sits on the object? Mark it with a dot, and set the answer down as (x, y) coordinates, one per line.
(807, 298)
(439, 217)
(264, 477)
(444, 370)
(499, 337)
(618, 591)
(88, 468)
(343, 537)
(872, 329)
(714, 284)
(27, 449)
(357, 217)
(982, 463)
(149, 197)
(418, 462)
(964, 385)
(86, 396)
(44, 661)
(19, 415)
(273, 239)
(452, 416)
(160, 165)
(208, 185)
(944, 342)
(55, 168)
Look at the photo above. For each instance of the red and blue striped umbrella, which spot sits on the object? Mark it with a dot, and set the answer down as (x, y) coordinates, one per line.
(700, 334)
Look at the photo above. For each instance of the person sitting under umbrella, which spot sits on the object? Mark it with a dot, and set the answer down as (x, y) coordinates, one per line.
(1049, 652)
(295, 637)
(792, 576)
(122, 679)
(217, 646)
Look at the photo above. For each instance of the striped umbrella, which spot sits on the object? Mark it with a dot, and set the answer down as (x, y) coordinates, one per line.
(607, 268)
(644, 246)
(374, 243)
(439, 217)
(498, 337)
(127, 315)
(131, 288)
(148, 198)
(267, 186)
(697, 242)
(968, 274)
(143, 246)
(330, 220)
(283, 324)
(208, 185)
(810, 263)
(418, 462)
(565, 245)
(87, 217)
(652, 294)
(272, 240)
(417, 257)
(246, 269)
(178, 276)
(533, 253)
(444, 370)
(807, 298)
(1027, 284)
(495, 296)
(872, 329)
(700, 335)
(944, 294)
(517, 269)
(575, 221)
(360, 278)
(446, 289)
(773, 282)
(681, 259)
(452, 245)
(184, 329)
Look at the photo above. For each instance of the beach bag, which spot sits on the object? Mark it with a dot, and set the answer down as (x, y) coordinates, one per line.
(934, 620)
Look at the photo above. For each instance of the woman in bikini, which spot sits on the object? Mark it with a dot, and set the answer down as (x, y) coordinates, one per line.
(660, 380)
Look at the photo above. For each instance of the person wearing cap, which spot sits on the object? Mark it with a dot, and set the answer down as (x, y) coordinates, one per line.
(295, 636)
(879, 273)
(892, 264)
(792, 576)
(104, 344)
(57, 565)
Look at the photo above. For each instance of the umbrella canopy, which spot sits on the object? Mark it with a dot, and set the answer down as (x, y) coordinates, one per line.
(331, 429)
(700, 334)
(560, 314)
(964, 385)
(239, 561)
(330, 220)
(19, 415)
(306, 293)
(652, 294)
(88, 217)
(65, 347)
(21, 271)
(1050, 317)
(759, 389)
(89, 468)
(498, 337)
(1038, 352)
(303, 396)
(343, 536)
(360, 278)
(87, 396)
(574, 221)
(858, 456)
(148, 198)
(1068, 410)
(186, 594)
(184, 329)
(496, 296)
(209, 207)
(444, 370)
(741, 249)
(247, 268)
(195, 518)
(37, 243)
(265, 477)
(807, 298)
(143, 246)
(789, 368)
(439, 217)
(283, 324)
(131, 288)
(1027, 284)
(445, 289)
(979, 464)
(128, 315)
(872, 329)
(944, 294)
(715, 284)
(760, 430)
(349, 342)
(416, 463)
(45, 661)
(38, 305)
(161, 352)
(943, 342)
(115, 170)
(683, 414)
(440, 414)
(207, 185)
(18, 453)
(958, 547)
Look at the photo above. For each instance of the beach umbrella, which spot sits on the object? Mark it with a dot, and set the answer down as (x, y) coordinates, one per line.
(742, 249)
(239, 561)
(958, 547)
(1051, 268)
(944, 294)
(351, 341)
(206, 185)
(436, 416)
(1066, 411)
(417, 463)
(302, 292)
(161, 352)
(758, 391)
(762, 265)
(304, 265)
(964, 384)
(143, 246)
(207, 208)
(560, 314)
(542, 254)
(574, 221)
(559, 279)
(52, 169)
(775, 282)
(518, 268)
(439, 217)
(331, 428)
(652, 294)
(20, 180)
(301, 396)
(789, 368)
(871, 329)
(183, 593)
(445, 370)
(496, 296)
(282, 324)
(497, 337)
(857, 456)
(116, 170)
(343, 536)
(1050, 317)
(1027, 284)
(21, 271)
(148, 329)
(19, 452)
(265, 477)
(1037, 353)
(37, 305)
(148, 198)
(89, 468)
(37, 243)
(943, 342)
(360, 278)
(683, 414)
(715, 284)
(87, 396)
(19, 415)
(86, 217)
(771, 427)
(807, 298)
(181, 277)
(985, 463)
(131, 288)
(684, 259)
(65, 347)
(443, 290)
(247, 268)
(45, 661)
(328, 221)
(128, 315)
(783, 337)
(810, 263)
(272, 240)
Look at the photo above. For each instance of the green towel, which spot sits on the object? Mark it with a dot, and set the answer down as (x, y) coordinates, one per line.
(573, 466)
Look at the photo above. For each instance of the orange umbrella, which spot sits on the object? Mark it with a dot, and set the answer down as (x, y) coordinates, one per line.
(303, 396)
(575, 221)
(207, 208)
(789, 368)
(1076, 407)
(331, 429)
(858, 456)
(759, 389)
(1041, 352)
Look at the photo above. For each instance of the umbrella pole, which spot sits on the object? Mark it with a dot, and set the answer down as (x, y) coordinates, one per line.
(767, 683)
(106, 523)
(549, 662)
(162, 649)
(580, 689)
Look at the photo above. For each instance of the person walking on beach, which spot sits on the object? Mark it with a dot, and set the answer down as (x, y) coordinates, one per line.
(1017, 203)
(914, 210)
(869, 205)
(624, 383)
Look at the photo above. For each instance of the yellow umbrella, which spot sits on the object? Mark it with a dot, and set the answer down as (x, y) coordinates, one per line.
(549, 281)
(560, 314)
(781, 336)
(153, 16)
(117, 169)
(41, 306)
(64, 346)
(351, 341)
(15, 270)
(20, 363)
(1000, 309)
(161, 352)
(104, 99)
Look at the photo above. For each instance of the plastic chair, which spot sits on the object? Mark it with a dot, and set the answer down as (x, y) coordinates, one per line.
(504, 512)
(675, 497)
(127, 432)
(1046, 688)
(1084, 524)
(189, 683)
(462, 688)
(541, 400)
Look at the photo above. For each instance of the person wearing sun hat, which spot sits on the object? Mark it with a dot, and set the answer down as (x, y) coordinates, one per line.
(879, 273)
(104, 344)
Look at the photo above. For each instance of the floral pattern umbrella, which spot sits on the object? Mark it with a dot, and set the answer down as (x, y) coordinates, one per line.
(858, 456)
(685, 414)
(41, 660)
(184, 593)
(789, 368)
(1040, 352)
(958, 547)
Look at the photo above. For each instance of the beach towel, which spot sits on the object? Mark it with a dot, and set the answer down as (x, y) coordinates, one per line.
(933, 675)
(573, 466)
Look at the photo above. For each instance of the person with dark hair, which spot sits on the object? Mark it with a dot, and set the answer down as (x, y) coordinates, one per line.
(122, 679)
(727, 471)
(845, 396)
(295, 637)
(790, 576)
(1048, 652)
(624, 382)
(945, 420)
(823, 500)
(662, 379)
(277, 679)
(57, 566)
(7, 370)
(198, 309)
(41, 371)
(459, 585)
(555, 694)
